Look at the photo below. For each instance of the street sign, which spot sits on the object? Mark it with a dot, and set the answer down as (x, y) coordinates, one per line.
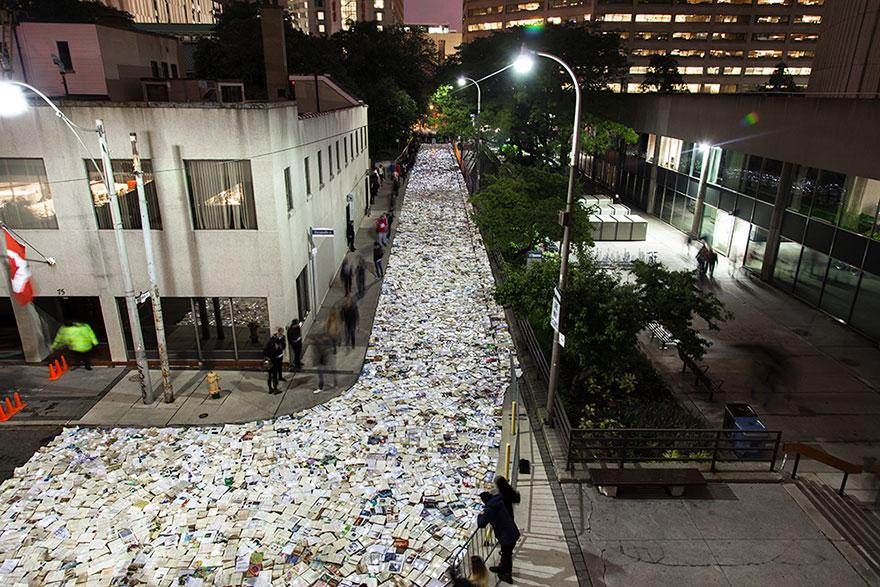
(554, 313)
(561, 340)
(323, 232)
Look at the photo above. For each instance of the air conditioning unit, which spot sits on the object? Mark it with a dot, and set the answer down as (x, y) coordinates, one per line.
(230, 92)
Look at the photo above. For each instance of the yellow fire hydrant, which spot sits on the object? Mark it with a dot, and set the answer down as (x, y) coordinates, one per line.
(213, 385)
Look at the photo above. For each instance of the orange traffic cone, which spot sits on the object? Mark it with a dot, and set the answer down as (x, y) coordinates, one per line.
(9, 409)
(64, 367)
(3, 416)
(18, 403)
(52, 374)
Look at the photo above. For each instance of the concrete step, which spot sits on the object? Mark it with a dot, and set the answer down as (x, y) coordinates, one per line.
(859, 526)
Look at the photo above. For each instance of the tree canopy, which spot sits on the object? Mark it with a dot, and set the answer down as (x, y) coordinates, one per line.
(780, 80)
(663, 75)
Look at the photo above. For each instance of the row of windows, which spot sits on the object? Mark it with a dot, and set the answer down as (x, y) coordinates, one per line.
(656, 35)
(221, 192)
(722, 18)
(722, 2)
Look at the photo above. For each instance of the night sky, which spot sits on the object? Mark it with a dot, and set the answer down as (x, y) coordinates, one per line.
(434, 12)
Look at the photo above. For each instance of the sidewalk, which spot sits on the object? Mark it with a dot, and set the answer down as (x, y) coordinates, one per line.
(244, 394)
(829, 388)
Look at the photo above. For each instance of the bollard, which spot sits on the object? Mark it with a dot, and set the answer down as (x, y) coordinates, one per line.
(513, 419)
(507, 461)
(213, 385)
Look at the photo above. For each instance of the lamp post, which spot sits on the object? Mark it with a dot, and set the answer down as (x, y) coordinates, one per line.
(13, 103)
(462, 81)
(523, 64)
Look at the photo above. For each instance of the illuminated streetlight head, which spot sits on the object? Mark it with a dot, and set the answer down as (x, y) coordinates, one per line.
(12, 100)
(524, 61)
(461, 82)
(704, 146)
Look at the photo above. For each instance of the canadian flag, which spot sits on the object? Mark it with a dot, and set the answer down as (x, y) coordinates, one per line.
(18, 270)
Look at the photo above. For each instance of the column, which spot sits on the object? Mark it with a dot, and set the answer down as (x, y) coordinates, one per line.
(772, 248)
(652, 187)
(701, 192)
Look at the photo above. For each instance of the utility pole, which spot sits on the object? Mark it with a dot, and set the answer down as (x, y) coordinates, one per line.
(155, 300)
(137, 336)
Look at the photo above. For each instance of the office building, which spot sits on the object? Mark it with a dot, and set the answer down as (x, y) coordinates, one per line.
(327, 17)
(446, 41)
(721, 46)
(848, 55)
(169, 11)
(787, 187)
(233, 191)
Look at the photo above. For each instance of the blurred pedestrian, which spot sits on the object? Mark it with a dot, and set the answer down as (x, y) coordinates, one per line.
(346, 273)
(349, 235)
(334, 329)
(479, 576)
(506, 532)
(378, 253)
(325, 358)
(274, 351)
(508, 494)
(295, 340)
(79, 338)
(361, 275)
(712, 262)
(350, 317)
(382, 230)
(703, 261)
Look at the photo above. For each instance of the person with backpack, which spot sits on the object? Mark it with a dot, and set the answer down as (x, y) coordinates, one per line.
(495, 515)
(382, 230)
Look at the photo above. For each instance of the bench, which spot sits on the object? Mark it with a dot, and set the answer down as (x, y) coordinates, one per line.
(701, 376)
(675, 481)
(663, 337)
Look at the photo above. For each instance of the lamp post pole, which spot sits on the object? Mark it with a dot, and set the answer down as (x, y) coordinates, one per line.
(478, 128)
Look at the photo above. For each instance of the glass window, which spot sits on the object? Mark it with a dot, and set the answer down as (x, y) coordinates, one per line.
(803, 185)
(221, 194)
(829, 195)
(126, 192)
(345, 149)
(330, 161)
(756, 248)
(303, 301)
(860, 209)
(811, 275)
(865, 316)
(840, 289)
(25, 197)
(731, 169)
(308, 177)
(338, 166)
(786, 263)
(687, 154)
(752, 176)
(288, 188)
(769, 183)
(320, 171)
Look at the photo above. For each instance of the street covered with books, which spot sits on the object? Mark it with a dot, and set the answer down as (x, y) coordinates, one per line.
(378, 486)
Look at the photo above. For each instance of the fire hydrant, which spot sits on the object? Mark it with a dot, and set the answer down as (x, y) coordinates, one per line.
(213, 385)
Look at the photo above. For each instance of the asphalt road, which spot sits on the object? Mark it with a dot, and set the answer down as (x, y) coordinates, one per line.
(17, 444)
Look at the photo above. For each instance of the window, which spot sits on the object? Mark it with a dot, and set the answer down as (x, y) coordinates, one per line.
(860, 210)
(221, 194)
(732, 18)
(64, 61)
(483, 11)
(653, 18)
(829, 195)
(772, 19)
(338, 166)
(330, 161)
(174, 71)
(25, 197)
(764, 37)
(288, 188)
(345, 149)
(351, 144)
(484, 26)
(739, 37)
(803, 184)
(126, 192)
(803, 38)
(154, 68)
(687, 36)
(524, 7)
(165, 71)
(811, 275)
(322, 28)
(566, 3)
(379, 16)
(615, 17)
(320, 171)
(730, 170)
(321, 15)
(808, 19)
(766, 54)
(303, 302)
(692, 18)
(308, 177)
(379, 4)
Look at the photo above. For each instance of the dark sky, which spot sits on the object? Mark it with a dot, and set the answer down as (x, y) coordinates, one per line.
(433, 12)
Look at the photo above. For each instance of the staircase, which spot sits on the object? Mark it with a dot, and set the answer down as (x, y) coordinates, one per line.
(858, 525)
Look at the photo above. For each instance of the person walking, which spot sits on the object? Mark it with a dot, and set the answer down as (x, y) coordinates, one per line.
(495, 514)
(508, 494)
(395, 184)
(79, 338)
(712, 262)
(274, 351)
(361, 276)
(350, 317)
(295, 340)
(374, 187)
(346, 273)
(325, 350)
(382, 230)
(703, 261)
(378, 253)
(349, 235)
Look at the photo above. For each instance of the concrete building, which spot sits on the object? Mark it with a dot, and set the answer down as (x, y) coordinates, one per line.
(787, 187)
(169, 11)
(91, 61)
(720, 45)
(445, 40)
(327, 17)
(848, 55)
(233, 193)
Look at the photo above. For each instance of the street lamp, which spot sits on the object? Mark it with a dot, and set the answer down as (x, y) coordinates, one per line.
(462, 81)
(524, 63)
(14, 103)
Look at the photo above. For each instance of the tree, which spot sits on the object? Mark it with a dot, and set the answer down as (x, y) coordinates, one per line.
(781, 80)
(519, 210)
(662, 75)
(67, 11)
(449, 114)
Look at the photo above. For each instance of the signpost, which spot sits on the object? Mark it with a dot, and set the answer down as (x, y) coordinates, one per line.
(554, 314)
(323, 232)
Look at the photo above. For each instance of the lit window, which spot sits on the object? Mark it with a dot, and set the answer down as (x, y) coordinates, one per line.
(525, 22)
(379, 16)
(692, 88)
(690, 36)
(713, 71)
(698, 53)
(378, 3)
(634, 88)
(808, 19)
(566, 3)
(653, 18)
(802, 38)
(776, 37)
(483, 11)
(761, 70)
(25, 197)
(587, 17)
(524, 7)
(484, 26)
(726, 54)
(775, 2)
(614, 87)
(554, 20)
(712, 88)
(691, 18)
(690, 70)
(811, 2)
(765, 54)
(615, 17)
(801, 54)
(730, 18)
(772, 19)
(731, 71)
(321, 15)
(123, 173)
(638, 70)
(221, 195)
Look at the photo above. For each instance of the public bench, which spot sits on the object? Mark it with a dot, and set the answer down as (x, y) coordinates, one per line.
(675, 481)
(663, 337)
(701, 375)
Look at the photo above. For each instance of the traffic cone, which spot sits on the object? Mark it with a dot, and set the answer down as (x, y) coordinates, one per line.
(52, 374)
(3, 416)
(64, 367)
(9, 409)
(18, 403)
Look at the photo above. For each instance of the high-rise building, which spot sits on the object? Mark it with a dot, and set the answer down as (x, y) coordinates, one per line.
(298, 10)
(720, 45)
(169, 11)
(331, 16)
(848, 55)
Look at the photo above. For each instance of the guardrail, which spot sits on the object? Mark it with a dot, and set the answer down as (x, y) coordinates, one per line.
(823, 457)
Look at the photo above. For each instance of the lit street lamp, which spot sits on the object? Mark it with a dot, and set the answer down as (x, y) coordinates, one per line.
(14, 103)
(462, 81)
(523, 64)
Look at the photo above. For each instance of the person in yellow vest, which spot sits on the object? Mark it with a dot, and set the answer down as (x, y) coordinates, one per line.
(79, 338)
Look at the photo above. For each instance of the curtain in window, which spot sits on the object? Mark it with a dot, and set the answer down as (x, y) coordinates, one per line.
(123, 172)
(25, 197)
(221, 194)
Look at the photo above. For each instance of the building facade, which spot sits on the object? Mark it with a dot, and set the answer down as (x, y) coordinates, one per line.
(327, 17)
(233, 192)
(787, 187)
(848, 55)
(169, 11)
(721, 46)
(92, 61)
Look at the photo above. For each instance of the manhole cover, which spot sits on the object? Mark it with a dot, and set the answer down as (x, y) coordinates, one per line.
(801, 332)
(205, 415)
(850, 362)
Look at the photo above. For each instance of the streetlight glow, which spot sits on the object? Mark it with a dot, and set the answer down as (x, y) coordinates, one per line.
(704, 146)
(524, 62)
(461, 82)
(12, 100)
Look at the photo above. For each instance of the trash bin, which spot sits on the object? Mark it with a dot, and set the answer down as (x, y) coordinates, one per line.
(748, 438)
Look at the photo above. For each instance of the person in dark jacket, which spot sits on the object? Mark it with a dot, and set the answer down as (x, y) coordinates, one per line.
(495, 514)
(349, 235)
(295, 340)
(378, 253)
(346, 273)
(360, 272)
(274, 351)
(507, 493)
(349, 311)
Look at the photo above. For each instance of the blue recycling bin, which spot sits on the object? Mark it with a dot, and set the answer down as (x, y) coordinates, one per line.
(749, 438)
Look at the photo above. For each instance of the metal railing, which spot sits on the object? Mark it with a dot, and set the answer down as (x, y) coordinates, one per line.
(817, 454)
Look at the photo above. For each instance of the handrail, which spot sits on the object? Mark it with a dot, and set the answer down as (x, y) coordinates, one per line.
(817, 454)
